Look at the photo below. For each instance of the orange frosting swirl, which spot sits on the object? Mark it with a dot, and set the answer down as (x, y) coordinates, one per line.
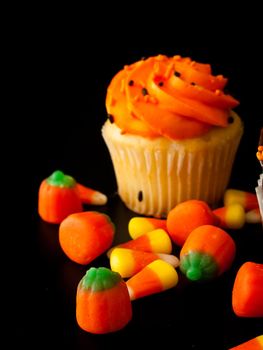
(173, 97)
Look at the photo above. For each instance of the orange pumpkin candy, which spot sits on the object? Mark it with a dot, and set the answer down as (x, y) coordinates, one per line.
(247, 294)
(207, 253)
(84, 236)
(58, 197)
(103, 304)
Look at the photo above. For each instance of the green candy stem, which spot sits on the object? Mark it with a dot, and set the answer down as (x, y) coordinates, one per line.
(101, 278)
(194, 274)
(198, 266)
(59, 179)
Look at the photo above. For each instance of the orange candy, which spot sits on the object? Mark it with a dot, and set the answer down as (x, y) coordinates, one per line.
(247, 294)
(84, 236)
(102, 303)
(58, 197)
(207, 253)
(185, 217)
(252, 344)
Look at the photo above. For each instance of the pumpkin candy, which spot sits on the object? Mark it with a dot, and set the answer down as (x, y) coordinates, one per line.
(84, 236)
(102, 304)
(58, 197)
(247, 294)
(207, 253)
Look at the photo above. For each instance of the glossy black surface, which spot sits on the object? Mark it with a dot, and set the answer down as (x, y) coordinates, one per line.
(68, 111)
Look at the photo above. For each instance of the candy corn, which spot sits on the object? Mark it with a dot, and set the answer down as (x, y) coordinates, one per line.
(231, 216)
(138, 226)
(252, 344)
(253, 216)
(89, 196)
(246, 199)
(156, 277)
(128, 262)
(156, 241)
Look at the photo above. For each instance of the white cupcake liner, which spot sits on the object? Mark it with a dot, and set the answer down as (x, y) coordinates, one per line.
(153, 175)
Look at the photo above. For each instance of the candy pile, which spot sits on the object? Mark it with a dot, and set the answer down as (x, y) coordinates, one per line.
(145, 264)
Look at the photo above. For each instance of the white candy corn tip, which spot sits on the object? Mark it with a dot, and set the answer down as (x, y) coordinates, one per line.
(99, 198)
(170, 259)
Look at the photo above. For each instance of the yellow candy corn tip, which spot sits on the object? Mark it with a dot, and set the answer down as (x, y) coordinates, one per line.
(99, 198)
(165, 272)
(235, 216)
(160, 241)
(138, 226)
(122, 261)
(232, 196)
(260, 340)
(170, 259)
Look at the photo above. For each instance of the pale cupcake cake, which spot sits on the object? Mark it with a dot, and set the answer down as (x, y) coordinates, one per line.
(171, 132)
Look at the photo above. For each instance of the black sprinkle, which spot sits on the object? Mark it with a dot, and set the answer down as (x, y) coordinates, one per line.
(111, 118)
(160, 83)
(130, 83)
(140, 196)
(144, 91)
(230, 120)
(193, 83)
(177, 74)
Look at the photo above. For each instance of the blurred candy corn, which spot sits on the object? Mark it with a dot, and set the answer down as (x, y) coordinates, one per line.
(231, 216)
(247, 199)
(253, 216)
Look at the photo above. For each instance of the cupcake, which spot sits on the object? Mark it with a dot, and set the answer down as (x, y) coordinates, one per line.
(171, 132)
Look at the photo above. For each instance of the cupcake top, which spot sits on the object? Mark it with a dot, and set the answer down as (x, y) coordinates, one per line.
(174, 97)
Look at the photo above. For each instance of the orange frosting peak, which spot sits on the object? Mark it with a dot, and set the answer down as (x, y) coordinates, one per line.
(173, 97)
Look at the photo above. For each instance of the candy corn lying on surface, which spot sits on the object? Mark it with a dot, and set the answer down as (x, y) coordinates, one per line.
(139, 225)
(128, 262)
(246, 199)
(156, 277)
(156, 241)
(232, 216)
(252, 344)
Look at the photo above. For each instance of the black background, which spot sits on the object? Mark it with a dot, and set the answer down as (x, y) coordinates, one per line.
(62, 73)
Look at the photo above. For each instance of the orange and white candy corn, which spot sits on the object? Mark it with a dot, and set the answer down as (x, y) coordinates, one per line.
(247, 199)
(89, 196)
(231, 216)
(139, 225)
(156, 277)
(128, 262)
(252, 344)
(156, 241)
